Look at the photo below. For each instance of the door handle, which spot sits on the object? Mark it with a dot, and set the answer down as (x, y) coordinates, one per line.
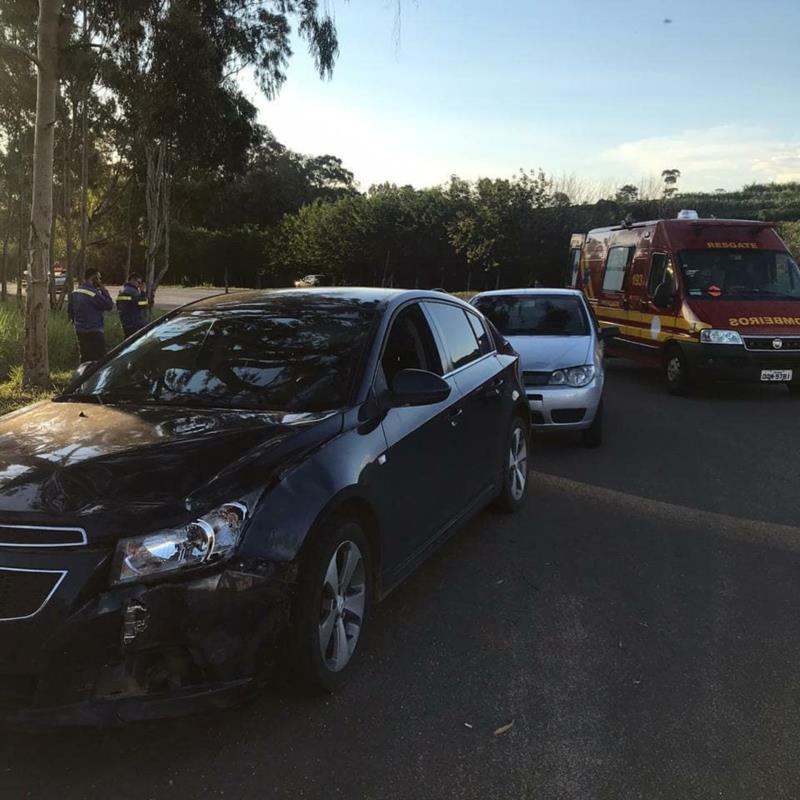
(494, 388)
(455, 416)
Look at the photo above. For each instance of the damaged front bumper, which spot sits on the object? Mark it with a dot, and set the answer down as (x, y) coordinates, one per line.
(196, 642)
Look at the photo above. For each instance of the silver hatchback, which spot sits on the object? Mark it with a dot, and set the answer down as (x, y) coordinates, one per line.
(561, 348)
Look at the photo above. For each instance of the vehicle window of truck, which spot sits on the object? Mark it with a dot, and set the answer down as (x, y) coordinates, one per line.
(575, 263)
(741, 274)
(459, 339)
(410, 345)
(535, 315)
(616, 264)
(482, 335)
(657, 269)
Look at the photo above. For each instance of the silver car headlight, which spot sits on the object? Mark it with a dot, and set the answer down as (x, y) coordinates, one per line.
(713, 336)
(573, 376)
(205, 540)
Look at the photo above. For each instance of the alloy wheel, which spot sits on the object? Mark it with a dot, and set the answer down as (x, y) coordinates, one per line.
(344, 592)
(518, 463)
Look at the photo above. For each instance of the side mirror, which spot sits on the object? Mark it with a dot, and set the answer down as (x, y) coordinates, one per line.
(83, 368)
(663, 295)
(417, 387)
(611, 332)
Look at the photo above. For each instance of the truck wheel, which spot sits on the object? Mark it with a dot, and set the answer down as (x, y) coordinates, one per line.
(593, 435)
(676, 372)
(334, 589)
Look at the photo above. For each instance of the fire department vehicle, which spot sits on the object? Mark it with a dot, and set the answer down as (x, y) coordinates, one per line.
(697, 297)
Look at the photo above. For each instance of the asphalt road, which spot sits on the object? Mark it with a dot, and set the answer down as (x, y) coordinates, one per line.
(638, 624)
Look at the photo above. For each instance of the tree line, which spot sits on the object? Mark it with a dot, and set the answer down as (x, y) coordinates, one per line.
(158, 165)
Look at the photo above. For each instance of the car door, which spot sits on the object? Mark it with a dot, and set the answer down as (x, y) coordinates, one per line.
(612, 301)
(479, 375)
(420, 469)
(661, 320)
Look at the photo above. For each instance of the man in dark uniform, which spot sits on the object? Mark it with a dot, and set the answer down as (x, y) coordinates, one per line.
(131, 305)
(87, 304)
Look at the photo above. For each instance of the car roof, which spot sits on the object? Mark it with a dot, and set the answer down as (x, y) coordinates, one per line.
(538, 291)
(316, 297)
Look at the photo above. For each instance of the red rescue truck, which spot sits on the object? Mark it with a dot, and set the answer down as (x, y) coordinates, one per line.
(697, 297)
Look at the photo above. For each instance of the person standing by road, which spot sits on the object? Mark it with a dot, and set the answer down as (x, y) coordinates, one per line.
(131, 305)
(87, 305)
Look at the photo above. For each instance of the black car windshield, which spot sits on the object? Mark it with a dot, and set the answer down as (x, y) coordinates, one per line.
(740, 274)
(298, 362)
(535, 315)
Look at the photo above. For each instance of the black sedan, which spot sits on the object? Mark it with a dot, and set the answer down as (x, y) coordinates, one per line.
(238, 483)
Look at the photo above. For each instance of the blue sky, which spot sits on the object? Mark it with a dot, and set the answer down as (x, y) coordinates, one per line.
(604, 90)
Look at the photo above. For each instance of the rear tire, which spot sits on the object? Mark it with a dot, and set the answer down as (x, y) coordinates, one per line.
(334, 591)
(676, 372)
(515, 468)
(593, 435)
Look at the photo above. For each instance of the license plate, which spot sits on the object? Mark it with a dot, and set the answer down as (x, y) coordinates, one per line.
(779, 375)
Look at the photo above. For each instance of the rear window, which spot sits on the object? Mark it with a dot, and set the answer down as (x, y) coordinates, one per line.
(535, 315)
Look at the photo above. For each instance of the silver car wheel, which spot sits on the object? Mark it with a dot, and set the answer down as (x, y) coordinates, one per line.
(518, 464)
(344, 593)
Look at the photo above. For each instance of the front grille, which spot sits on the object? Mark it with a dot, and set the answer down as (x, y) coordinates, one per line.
(564, 415)
(767, 343)
(40, 536)
(535, 378)
(25, 592)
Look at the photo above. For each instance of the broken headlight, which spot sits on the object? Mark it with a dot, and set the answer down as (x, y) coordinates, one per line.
(207, 539)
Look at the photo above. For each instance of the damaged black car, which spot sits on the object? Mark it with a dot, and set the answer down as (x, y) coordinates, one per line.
(238, 484)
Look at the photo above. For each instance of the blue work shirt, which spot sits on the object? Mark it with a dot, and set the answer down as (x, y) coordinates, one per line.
(131, 305)
(86, 306)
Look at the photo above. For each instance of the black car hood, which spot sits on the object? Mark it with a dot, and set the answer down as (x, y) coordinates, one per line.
(64, 460)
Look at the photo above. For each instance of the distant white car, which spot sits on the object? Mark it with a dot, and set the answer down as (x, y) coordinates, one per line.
(310, 280)
(560, 345)
(59, 273)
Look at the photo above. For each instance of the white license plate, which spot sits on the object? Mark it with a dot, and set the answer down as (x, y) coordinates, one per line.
(779, 375)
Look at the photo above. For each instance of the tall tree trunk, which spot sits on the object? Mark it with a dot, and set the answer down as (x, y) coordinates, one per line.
(4, 262)
(67, 212)
(167, 228)
(35, 362)
(154, 195)
(21, 236)
(84, 231)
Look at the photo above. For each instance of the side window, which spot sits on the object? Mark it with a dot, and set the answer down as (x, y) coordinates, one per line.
(658, 266)
(574, 265)
(616, 264)
(481, 334)
(410, 345)
(456, 332)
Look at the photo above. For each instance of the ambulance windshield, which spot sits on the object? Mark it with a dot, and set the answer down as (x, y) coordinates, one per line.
(740, 274)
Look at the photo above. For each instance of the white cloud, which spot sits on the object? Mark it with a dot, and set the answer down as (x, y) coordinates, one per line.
(726, 156)
(381, 145)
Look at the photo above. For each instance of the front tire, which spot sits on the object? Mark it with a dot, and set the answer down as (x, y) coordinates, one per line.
(515, 469)
(676, 372)
(334, 590)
